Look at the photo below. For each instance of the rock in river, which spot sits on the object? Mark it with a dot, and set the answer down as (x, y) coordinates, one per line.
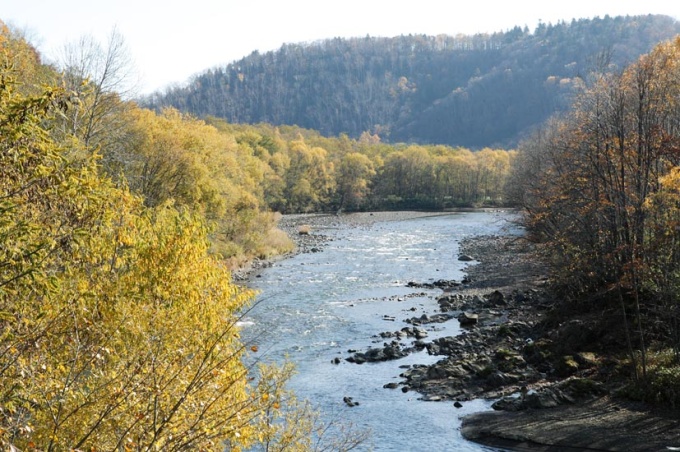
(468, 318)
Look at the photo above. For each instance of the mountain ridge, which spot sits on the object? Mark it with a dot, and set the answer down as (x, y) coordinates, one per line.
(483, 90)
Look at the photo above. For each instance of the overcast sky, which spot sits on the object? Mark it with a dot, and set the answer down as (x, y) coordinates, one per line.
(172, 40)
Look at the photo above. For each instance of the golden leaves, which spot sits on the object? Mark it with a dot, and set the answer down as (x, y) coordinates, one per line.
(137, 338)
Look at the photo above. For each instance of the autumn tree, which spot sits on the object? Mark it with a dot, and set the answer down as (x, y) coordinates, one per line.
(664, 244)
(117, 326)
(309, 179)
(593, 174)
(353, 180)
(493, 167)
(24, 59)
(275, 182)
(102, 76)
(406, 178)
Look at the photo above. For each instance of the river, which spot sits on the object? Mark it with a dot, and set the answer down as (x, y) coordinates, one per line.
(315, 307)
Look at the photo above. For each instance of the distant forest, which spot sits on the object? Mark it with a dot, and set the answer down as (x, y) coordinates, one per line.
(485, 90)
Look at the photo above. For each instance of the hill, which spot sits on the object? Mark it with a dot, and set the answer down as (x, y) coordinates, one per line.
(473, 91)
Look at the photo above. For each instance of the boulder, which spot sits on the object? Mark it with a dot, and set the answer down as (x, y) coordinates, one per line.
(468, 318)
(499, 379)
(388, 352)
(445, 284)
(547, 398)
(419, 333)
(510, 403)
(349, 402)
(496, 298)
(444, 370)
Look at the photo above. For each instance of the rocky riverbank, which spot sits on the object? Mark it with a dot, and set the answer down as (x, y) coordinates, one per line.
(554, 382)
(557, 382)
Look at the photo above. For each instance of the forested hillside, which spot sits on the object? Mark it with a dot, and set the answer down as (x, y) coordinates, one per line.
(473, 91)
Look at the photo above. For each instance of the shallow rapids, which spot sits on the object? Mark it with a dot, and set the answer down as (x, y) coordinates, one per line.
(314, 307)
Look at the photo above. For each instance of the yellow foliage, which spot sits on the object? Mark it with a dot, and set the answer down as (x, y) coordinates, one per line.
(117, 327)
(204, 169)
(23, 59)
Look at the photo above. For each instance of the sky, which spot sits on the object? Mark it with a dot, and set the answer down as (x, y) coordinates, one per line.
(169, 41)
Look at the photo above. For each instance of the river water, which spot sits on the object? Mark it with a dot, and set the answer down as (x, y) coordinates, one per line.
(315, 307)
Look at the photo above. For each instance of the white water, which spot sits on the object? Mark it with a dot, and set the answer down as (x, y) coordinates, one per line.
(315, 307)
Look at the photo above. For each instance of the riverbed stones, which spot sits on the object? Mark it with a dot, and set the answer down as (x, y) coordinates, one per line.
(445, 370)
(499, 379)
(425, 319)
(407, 332)
(566, 392)
(420, 333)
(468, 318)
(496, 298)
(390, 351)
(444, 284)
(349, 401)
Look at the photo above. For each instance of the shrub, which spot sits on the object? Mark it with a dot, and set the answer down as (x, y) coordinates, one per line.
(304, 229)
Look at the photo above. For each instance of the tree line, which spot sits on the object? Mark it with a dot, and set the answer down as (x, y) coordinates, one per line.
(307, 172)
